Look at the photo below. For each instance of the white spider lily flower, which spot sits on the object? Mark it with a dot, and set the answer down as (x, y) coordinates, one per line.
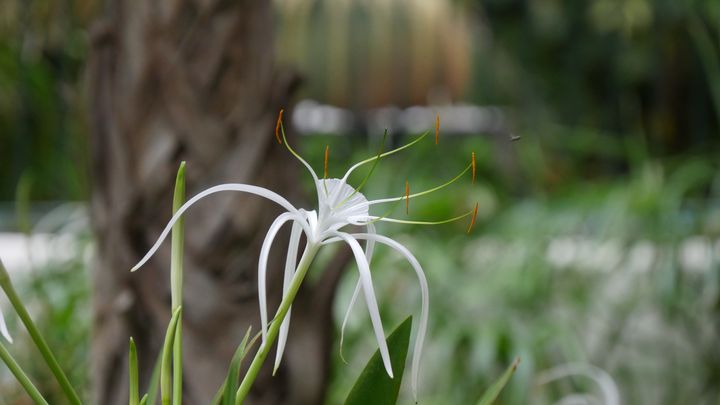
(339, 206)
(610, 394)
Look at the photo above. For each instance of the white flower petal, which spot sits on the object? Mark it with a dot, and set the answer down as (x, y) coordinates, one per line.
(262, 266)
(425, 297)
(3, 329)
(368, 290)
(608, 387)
(369, 248)
(244, 188)
(356, 292)
(290, 265)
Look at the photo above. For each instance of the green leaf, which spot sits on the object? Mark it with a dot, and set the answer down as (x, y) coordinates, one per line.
(374, 386)
(165, 369)
(176, 282)
(231, 383)
(228, 389)
(494, 391)
(152, 393)
(133, 368)
(144, 400)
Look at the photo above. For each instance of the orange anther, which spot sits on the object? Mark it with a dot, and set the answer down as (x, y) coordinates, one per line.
(327, 153)
(277, 126)
(437, 128)
(407, 197)
(472, 221)
(473, 167)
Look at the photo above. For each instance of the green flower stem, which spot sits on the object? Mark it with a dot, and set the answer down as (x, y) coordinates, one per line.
(176, 282)
(262, 353)
(42, 346)
(21, 376)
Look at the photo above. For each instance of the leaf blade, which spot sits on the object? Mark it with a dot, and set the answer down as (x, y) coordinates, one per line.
(493, 392)
(374, 386)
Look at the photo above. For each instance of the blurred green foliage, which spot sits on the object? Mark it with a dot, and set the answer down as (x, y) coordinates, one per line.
(629, 68)
(56, 292)
(43, 46)
(619, 272)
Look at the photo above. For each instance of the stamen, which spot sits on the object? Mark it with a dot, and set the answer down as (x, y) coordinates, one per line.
(437, 128)
(382, 155)
(403, 221)
(418, 194)
(472, 221)
(277, 126)
(372, 169)
(407, 197)
(473, 167)
(327, 153)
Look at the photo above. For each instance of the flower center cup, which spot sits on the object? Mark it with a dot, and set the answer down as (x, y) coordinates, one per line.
(340, 204)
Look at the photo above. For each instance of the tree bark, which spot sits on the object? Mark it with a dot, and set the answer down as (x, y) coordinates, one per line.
(192, 80)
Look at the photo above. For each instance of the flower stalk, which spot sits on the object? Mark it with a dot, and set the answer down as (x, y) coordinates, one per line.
(311, 250)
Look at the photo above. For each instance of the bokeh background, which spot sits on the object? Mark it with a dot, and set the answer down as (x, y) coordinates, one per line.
(596, 126)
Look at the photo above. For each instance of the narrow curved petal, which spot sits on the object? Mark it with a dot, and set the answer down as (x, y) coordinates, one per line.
(290, 266)
(369, 249)
(262, 266)
(369, 291)
(244, 188)
(356, 292)
(608, 387)
(425, 297)
(3, 329)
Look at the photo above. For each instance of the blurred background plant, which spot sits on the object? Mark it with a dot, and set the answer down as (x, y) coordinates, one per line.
(598, 234)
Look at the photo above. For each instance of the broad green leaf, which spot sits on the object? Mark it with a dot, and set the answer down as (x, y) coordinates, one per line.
(494, 391)
(374, 386)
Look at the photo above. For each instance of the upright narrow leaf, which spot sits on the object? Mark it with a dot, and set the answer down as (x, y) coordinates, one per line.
(494, 391)
(232, 379)
(166, 368)
(176, 281)
(374, 386)
(152, 393)
(133, 368)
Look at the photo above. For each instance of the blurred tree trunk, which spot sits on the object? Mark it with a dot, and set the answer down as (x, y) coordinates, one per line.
(191, 80)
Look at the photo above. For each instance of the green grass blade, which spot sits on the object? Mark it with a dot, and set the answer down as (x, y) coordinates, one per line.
(219, 395)
(37, 338)
(494, 391)
(144, 400)
(228, 389)
(166, 368)
(133, 371)
(233, 376)
(374, 386)
(176, 281)
(152, 392)
(20, 375)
